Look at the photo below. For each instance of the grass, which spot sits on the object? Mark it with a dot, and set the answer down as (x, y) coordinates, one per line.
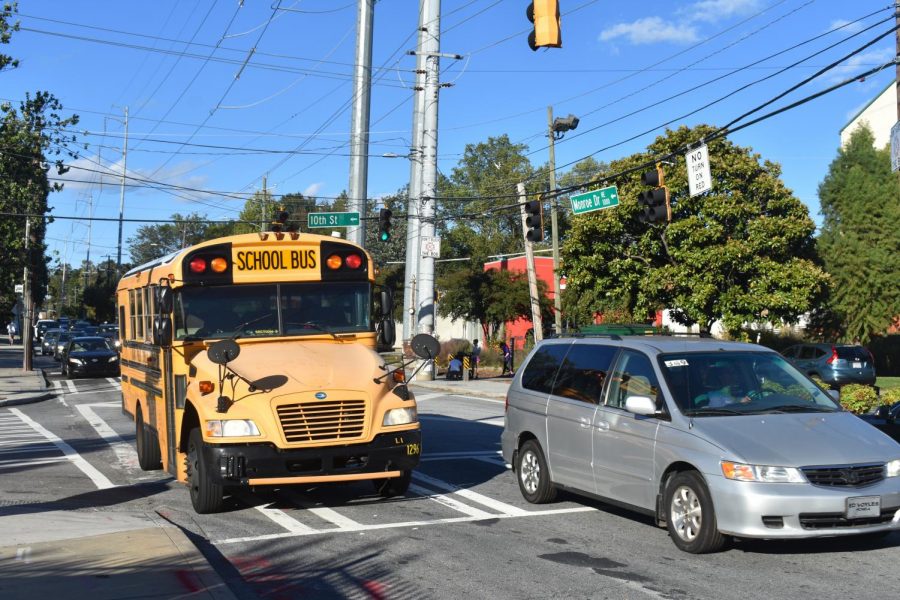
(887, 383)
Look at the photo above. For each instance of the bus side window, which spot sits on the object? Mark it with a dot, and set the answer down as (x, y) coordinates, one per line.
(123, 330)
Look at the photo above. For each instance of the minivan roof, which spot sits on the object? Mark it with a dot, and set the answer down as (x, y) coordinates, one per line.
(660, 344)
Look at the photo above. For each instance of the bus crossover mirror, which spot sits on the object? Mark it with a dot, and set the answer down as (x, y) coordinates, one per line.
(164, 299)
(162, 331)
(425, 346)
(223, 351)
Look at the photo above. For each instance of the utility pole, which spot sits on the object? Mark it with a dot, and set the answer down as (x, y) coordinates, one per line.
(411, 273)
(122, 195)
(897, 69)
(359, 126)
(554, 227)
(431, 47)
(265, 205)
(26, 301)
(536, 320)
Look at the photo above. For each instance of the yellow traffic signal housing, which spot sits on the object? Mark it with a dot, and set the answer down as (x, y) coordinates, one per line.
(655, 203)
(547, 31)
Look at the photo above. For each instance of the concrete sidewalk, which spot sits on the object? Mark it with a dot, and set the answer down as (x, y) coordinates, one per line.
(494, 388)
(92, 554)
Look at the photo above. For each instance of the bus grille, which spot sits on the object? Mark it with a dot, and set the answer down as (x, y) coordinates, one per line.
(322, 421)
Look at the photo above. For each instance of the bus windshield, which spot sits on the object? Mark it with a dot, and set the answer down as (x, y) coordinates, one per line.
(271, 310)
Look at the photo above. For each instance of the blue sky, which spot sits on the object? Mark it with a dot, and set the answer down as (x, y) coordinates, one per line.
(182, 69)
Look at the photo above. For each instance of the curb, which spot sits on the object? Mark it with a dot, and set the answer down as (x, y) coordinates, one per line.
(463, 391)
(28, 400)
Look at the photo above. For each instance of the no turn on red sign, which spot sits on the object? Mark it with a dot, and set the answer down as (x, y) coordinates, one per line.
(431, 247)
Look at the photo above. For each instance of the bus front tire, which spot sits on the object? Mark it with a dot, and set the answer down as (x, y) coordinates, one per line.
(394, 486)
(149, 457)
(206, 495)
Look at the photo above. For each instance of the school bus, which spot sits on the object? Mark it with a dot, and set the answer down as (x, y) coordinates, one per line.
(252, 360)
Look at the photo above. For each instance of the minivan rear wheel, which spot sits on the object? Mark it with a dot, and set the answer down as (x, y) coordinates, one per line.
(533, 475)
(690, 516)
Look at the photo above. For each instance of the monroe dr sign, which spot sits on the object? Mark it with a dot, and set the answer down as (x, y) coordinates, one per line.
(595, 200)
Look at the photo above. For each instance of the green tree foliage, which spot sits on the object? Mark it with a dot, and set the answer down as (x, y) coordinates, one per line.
(492, 297)
(743, 252)
(153, 241)
(6, 29)
(860, 241)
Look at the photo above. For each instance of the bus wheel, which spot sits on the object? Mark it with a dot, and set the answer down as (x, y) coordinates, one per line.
(149, 457)
(206, 495)
(395, 486)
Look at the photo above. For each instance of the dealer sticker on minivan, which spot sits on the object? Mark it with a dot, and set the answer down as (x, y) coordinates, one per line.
(860, 507)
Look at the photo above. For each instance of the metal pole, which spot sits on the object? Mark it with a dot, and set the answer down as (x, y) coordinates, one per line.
(554, 228)
(26, 301)
(410, 276)
(897, 71)
(532, 276)
(359, 125)
(122, 195)
(431, 47)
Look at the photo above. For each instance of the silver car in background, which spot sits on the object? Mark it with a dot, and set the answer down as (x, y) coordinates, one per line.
(713, 439)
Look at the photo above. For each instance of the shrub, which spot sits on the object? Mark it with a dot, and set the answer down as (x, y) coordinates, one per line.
(890, 396)
(859, 399)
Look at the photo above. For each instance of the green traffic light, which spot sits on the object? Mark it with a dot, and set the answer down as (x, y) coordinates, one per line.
(385, 236)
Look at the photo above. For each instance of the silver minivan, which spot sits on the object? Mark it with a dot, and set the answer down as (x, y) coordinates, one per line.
(714, 439)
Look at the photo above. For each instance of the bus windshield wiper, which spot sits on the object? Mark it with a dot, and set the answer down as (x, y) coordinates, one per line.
(313, 325)
(239, 331)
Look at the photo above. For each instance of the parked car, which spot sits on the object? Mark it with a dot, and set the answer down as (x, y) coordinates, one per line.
(887, 419)
(89, 356)
(41, 327)
(48, 343)
(713, 439)
(61, 340)
(834, 364)
(113, 338)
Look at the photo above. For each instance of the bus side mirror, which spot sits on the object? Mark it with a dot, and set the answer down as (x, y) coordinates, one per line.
(387, 334)
(162, 331)
(164, 300)
(387, 303)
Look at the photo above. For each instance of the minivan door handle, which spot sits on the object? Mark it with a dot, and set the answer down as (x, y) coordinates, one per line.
(584, 422)
(602, 425)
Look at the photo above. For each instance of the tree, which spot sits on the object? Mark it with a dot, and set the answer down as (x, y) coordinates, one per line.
(860, 241)
(6, 12)
(153, 241)
(742, 252)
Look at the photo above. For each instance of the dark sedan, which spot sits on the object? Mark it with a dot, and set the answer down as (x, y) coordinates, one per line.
(887, 419)
(89, 356)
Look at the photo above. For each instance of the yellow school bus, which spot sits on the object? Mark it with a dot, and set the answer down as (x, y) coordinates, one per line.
(251, 360)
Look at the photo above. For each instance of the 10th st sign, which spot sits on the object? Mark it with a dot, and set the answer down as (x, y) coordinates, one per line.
(596, 200)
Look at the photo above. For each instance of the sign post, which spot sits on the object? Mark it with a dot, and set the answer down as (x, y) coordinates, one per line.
(895, 147)
(595, 200)
(699, 177)
(346, 219)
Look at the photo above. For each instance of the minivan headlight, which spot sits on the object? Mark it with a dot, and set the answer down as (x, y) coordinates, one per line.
(892, 469)
(400, 416)
(761, 473)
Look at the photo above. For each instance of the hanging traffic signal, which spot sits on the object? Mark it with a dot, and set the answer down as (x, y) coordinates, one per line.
(545, 16)
(655, 202)
(281, 217)
(384, 224)
(534, 220)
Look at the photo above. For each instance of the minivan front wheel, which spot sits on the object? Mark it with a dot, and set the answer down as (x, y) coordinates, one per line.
(690, 515)
(533, 474)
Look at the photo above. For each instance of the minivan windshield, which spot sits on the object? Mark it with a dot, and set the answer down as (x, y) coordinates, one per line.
(738, 383)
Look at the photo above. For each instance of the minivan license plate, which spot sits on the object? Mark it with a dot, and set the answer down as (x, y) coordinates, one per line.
(861, 507)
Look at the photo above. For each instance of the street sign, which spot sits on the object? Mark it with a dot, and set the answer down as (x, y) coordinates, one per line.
(596, 200)
(345, 219)
(431, 247)
(20, 288)
(699, 177)
(895, 147)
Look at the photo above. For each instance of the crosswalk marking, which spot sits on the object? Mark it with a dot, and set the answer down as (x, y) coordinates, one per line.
(71, 385)
(126, 454)
(468, 494)
(450, 502)
(333, 516)
(282, 518)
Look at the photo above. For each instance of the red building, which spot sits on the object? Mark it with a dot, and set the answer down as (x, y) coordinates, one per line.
(543, 267)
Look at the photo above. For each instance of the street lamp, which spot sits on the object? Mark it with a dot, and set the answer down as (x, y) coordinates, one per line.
(557, 128)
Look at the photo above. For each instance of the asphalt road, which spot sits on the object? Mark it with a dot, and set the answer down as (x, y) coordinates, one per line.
(463, 531)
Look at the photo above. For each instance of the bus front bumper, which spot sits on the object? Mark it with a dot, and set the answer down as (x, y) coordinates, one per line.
(388, 455)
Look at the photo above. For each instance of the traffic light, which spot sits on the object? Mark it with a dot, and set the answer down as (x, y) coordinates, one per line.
(545, 16)
(281, 217)
(534, 220)
(655, 202)
(384, 224)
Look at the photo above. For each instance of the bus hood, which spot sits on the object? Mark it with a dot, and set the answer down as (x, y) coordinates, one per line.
(313, 365)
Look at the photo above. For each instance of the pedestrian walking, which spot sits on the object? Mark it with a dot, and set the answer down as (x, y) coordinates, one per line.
(507, 358)
(11, 331)
(476, 357)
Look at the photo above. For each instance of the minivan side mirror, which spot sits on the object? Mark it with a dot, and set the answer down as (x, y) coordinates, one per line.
(640, 405)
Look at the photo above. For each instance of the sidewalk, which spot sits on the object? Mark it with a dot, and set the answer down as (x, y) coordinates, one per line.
(46, 552)
(494, 388)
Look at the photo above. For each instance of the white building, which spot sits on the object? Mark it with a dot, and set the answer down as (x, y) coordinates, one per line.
(880, 114)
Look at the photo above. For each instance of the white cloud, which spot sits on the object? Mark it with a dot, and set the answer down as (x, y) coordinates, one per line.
(313, 189)
(86, 174)
(712, 11)
(860, 62)
(855, 28)
(649, 30)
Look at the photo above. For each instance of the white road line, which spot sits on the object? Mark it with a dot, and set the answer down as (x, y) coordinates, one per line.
(71, 385)
(332, 516)
(282, 518)
(98, 478)
(100, 390)
(503, 507)
(496, 421)
(105, 404)
(450, 502)
(424, 397)
(277, 536)
(116, 383)
(57, 385)
(128, 458)
(470, 454)
(493, 460)
(36, 461)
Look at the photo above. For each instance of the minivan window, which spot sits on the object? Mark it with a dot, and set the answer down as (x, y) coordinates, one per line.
(713, 384)
(541, 369)
(583, 372)
(633, 376)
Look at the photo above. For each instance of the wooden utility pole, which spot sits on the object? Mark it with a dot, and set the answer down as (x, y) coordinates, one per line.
(26, 301)
(532, 276)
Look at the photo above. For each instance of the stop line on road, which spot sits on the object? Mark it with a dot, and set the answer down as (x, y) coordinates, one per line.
(69, 386)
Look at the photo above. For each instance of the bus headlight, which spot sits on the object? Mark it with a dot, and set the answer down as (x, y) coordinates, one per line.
(892, 469)
(231, 428)
(400, 416)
